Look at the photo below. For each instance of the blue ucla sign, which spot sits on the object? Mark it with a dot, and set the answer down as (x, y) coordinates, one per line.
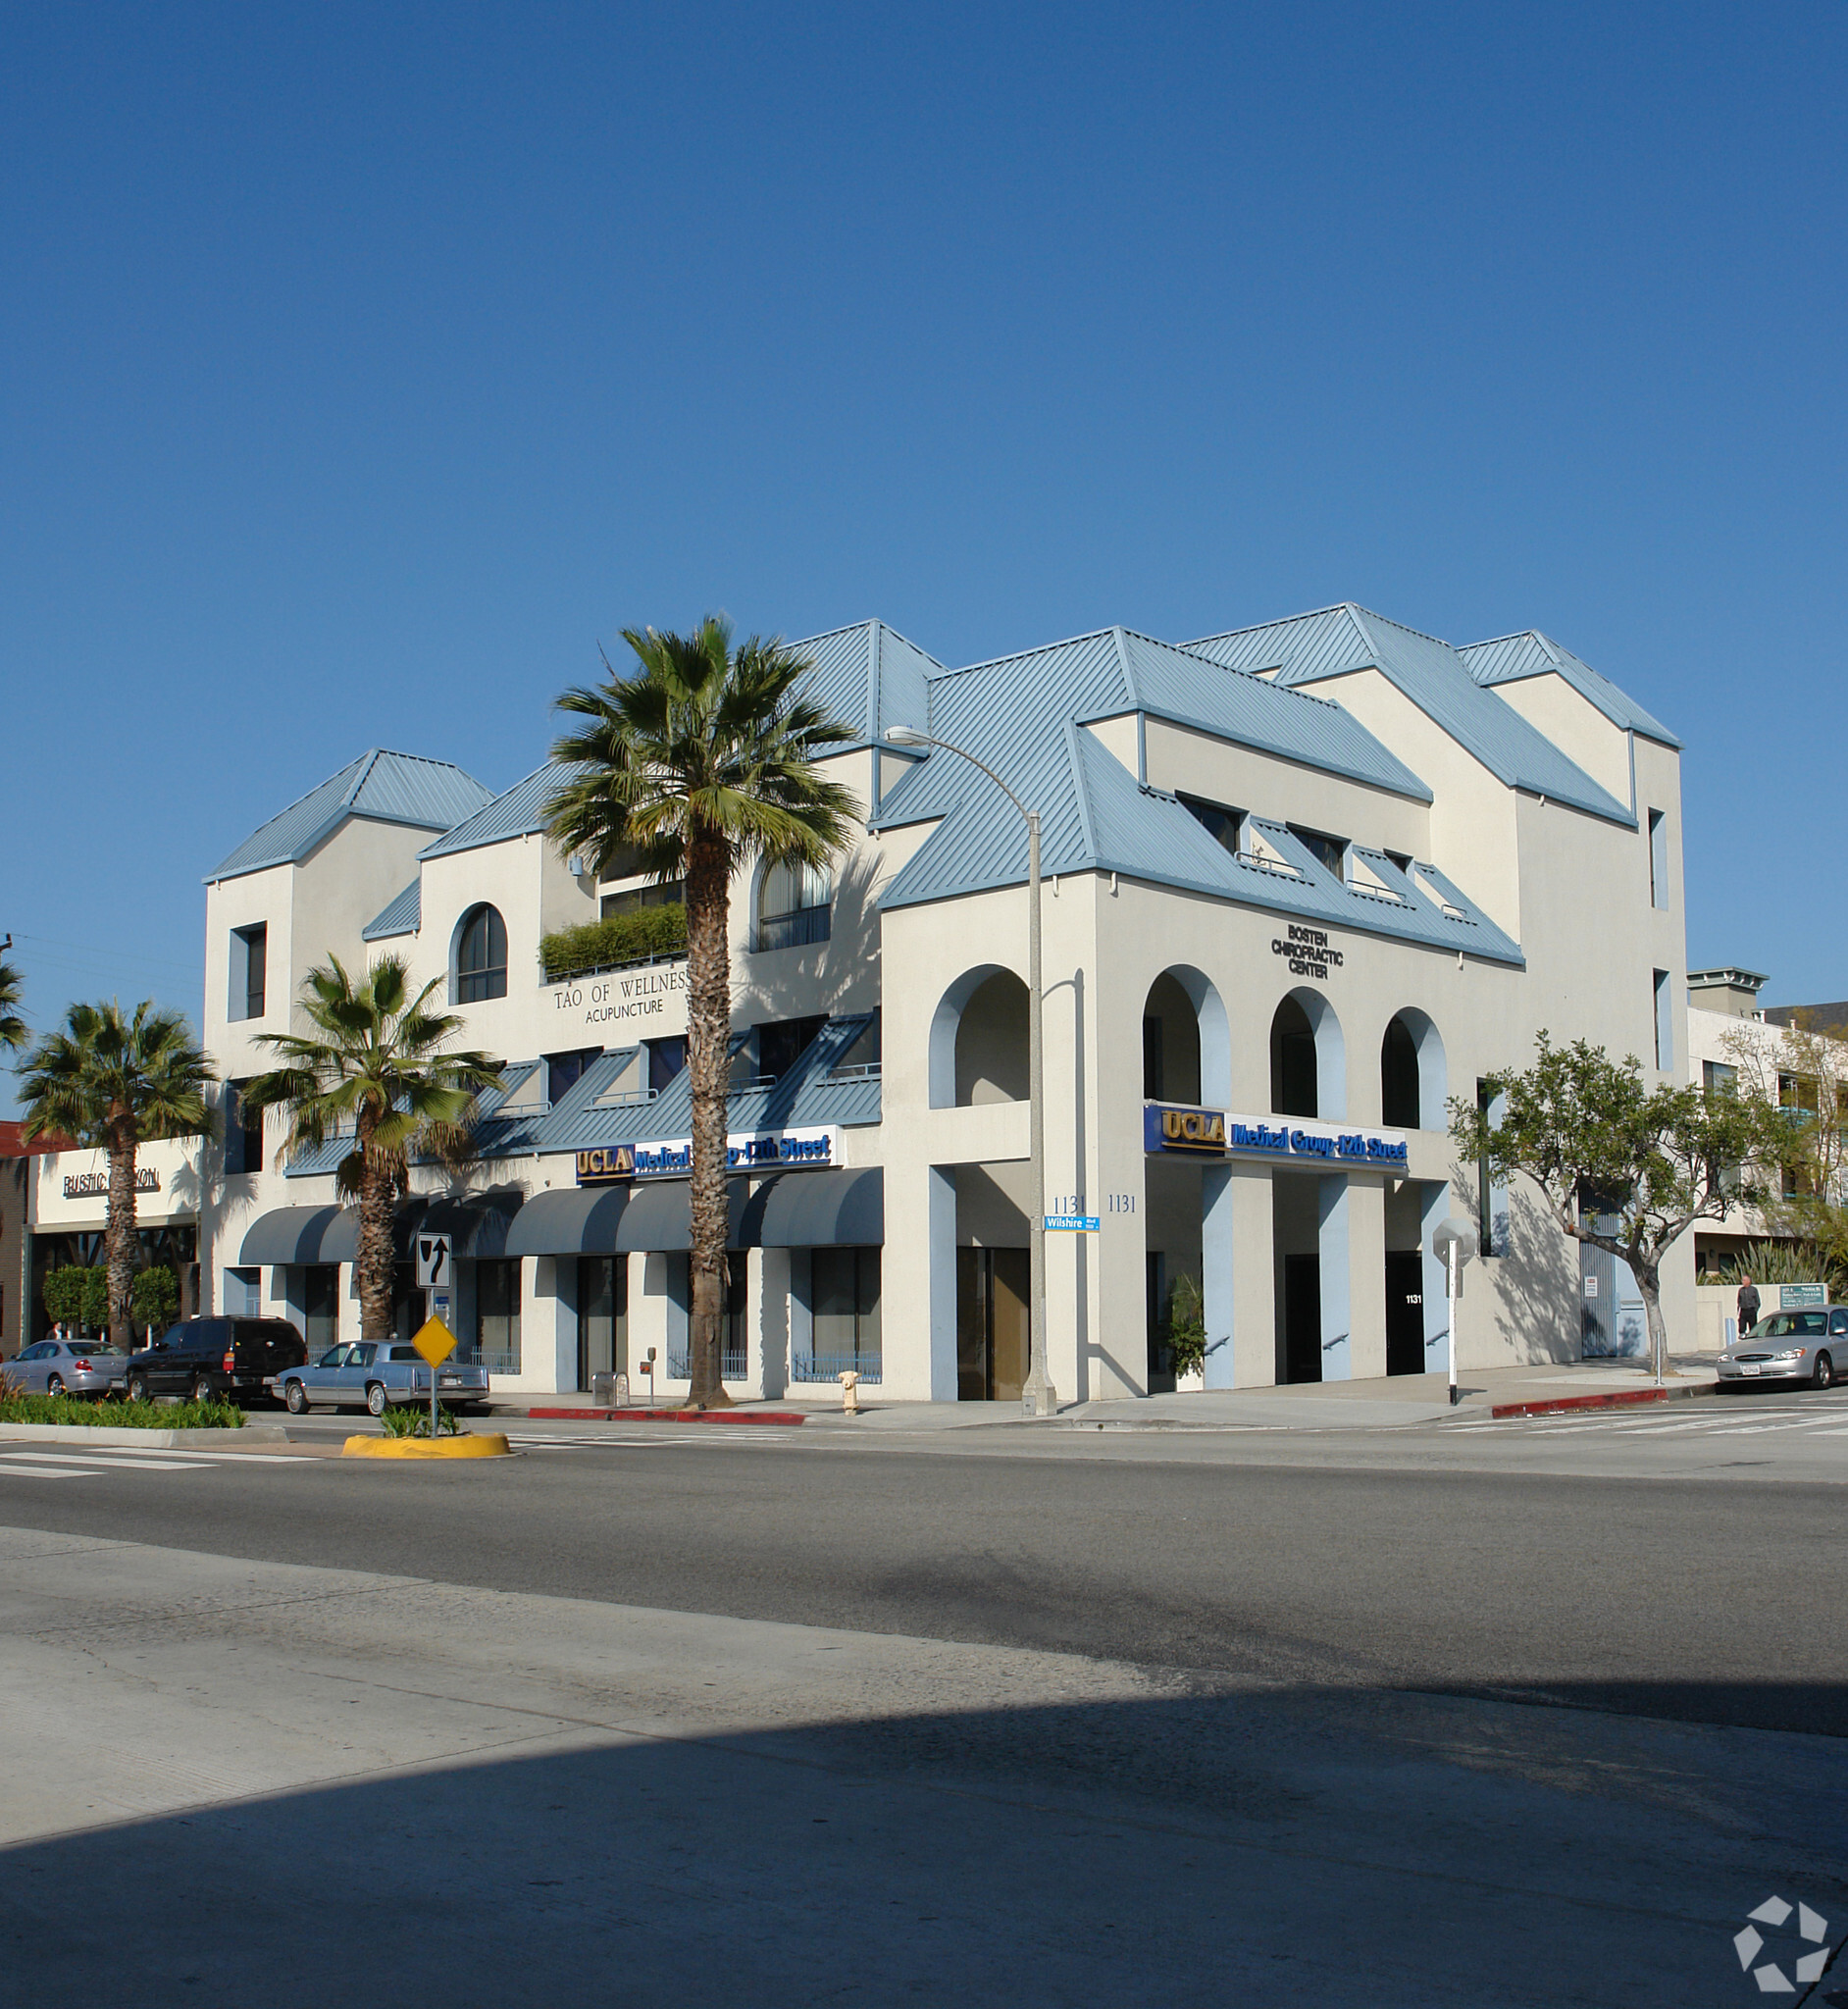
(1213, 1133)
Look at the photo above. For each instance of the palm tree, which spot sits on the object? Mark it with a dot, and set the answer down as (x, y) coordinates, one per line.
(12, 1025)
(115, 1084)
(700, 759)
(374, 1070)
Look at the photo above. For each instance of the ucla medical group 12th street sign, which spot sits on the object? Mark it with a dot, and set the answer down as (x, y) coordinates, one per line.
(1215, 1133)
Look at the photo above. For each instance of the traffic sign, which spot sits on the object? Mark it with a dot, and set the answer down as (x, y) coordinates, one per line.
(433, 1262)
(1078, 1223)
(434, 1341)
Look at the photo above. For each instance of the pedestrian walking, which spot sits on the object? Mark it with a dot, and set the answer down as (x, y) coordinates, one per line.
(1748, 1305)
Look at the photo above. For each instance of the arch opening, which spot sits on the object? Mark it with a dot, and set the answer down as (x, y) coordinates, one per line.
(1414, 1085)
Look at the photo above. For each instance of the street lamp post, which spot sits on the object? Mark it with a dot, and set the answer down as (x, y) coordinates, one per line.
(1039, 1398)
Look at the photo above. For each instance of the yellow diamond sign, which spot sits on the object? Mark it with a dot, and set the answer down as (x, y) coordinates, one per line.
(434, 1341)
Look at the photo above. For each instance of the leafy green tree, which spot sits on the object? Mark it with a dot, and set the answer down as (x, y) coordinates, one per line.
(114, 1084)
(700, 759)
(13, 1031)
(155, 1297)
(375, 1070)
(1583, 1129)
(63, 1291)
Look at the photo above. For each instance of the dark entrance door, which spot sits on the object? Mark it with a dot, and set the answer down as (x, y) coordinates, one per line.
(991, 1324)
(1405, 1312)
(1302, 1317)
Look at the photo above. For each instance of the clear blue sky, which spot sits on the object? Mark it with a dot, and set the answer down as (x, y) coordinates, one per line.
(362, 367)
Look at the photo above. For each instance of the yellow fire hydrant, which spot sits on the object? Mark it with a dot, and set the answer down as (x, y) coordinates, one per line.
(851, 1393)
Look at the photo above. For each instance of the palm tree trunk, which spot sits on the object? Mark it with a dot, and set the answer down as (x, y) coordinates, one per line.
(708, 1029)
(376, 1258)
(120, 1237)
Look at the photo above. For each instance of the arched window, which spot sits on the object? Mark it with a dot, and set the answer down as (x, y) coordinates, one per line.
(792, 906)
(480, 957)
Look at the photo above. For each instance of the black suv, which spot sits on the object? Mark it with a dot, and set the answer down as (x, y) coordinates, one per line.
(206, 1357)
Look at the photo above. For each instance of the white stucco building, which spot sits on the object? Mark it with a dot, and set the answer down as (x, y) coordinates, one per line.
(1303, 882)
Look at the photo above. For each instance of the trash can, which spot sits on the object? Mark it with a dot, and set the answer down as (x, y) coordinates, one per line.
(604, 1390)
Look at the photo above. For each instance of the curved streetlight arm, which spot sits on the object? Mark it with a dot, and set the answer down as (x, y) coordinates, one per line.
(1039, 1397)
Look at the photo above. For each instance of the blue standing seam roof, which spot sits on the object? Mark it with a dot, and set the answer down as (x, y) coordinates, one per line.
(382, 786)
(517, 812)
(1334, 640)
(1509, 659)
(401, 914)
(869, 677)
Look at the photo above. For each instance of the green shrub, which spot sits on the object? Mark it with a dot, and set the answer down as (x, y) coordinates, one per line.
(155, 1297)
(634, 937)
(132, 1415)
(1187, 1325)
(402, 1420)
(77, 1294)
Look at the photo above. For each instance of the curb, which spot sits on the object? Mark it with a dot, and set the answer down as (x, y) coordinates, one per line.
(1625, 1398)
(151, 1440)
(489, 1444)
(668, 1415)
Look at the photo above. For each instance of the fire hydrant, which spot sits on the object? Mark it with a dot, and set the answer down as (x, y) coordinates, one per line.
(851, 1393)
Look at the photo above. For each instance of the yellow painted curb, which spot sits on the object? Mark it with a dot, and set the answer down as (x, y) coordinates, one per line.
(488, 1444)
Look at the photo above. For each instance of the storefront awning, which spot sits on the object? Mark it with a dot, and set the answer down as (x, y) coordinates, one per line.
(661, 1217)
(477, 1225)
(288, 1234)
(837, 1209)
(580, 1221)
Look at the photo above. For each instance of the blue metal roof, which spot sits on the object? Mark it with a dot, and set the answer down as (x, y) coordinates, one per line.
(1511, 657)
(403, 915)
(519, 812)
(383, 787)
(1095, 816)
(869, 677)
(1337, 639)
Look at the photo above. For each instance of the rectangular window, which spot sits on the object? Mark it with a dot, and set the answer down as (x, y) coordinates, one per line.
(666, 1058)
(497, 1317)
(563, 1071)
(673, 892)
(1223, 825)
(243, 1293)
(1658, 858)
(249, 971)
(846, 1301)
(1485, 1181)
(1329, 851)
(784, 1043)
(1717, 1076)
(1665, 1023)
(243, 1133)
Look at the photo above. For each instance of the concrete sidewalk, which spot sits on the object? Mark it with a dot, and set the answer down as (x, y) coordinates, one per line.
(1389, 1403)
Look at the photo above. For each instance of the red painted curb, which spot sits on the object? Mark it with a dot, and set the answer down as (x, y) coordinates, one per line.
(669, 1416)
(1565, 1405)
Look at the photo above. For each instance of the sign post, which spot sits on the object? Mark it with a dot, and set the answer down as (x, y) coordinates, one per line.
(433, 1339)
(1453, 1244)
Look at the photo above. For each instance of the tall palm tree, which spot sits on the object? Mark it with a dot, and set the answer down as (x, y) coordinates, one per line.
(12, 1026)
(699, 759)
(115, 1084)
(374, 1069)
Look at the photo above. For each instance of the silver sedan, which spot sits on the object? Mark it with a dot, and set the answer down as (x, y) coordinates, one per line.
(1791, 1346)
(67, 1366)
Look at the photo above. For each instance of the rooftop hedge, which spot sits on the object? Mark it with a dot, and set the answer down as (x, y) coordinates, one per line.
(640, 936)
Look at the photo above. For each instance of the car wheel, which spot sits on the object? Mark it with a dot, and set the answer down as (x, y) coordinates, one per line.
(295, 1398)
(202, 1389)
(1824, 1375)
(376, 1398)
(54, 1384)
(138, 1390)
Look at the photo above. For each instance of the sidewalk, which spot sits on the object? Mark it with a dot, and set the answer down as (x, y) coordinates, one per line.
(1384, 1403)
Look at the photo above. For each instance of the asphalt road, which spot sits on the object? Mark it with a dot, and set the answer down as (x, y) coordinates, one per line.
(1675, 1598)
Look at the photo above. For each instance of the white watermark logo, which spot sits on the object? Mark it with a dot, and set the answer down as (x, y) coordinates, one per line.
(1807, 1967)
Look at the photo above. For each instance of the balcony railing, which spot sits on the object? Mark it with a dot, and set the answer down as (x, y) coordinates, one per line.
(831, 1367)
(732, 1367)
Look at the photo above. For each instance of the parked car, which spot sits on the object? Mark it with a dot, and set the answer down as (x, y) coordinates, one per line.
(210, 1358)
(374, 1376)
(69, 1366)
(1790, 1345)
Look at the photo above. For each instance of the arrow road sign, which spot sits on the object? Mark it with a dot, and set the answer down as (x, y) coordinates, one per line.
(433, 1262)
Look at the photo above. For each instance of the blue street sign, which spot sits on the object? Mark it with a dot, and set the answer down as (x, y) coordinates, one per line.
(1080, 1223)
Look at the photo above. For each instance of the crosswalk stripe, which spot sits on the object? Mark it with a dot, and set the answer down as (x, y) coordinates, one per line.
(103, 1459)
(39, 1471)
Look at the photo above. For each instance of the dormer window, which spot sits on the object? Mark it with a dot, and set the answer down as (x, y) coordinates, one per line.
(480, 957)
(1226, 827)
(1331, 852)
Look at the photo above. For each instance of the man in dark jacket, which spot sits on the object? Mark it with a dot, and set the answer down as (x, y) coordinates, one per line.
(1748, 1305)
